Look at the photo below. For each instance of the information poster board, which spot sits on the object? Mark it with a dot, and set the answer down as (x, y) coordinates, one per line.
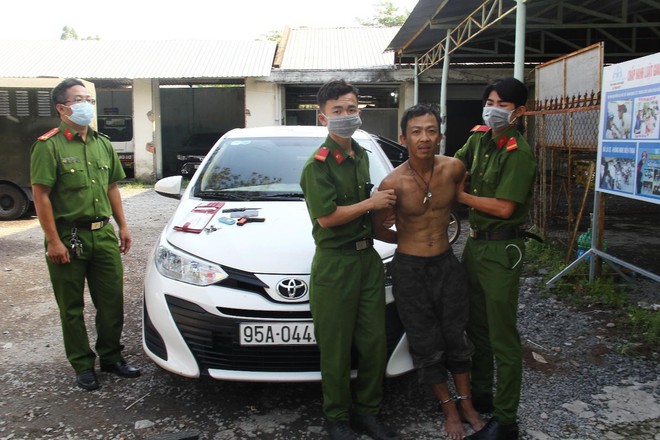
(629, 135)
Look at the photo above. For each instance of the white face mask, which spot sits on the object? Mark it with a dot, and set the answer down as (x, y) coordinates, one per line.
(83, 113)
(344, 126)
(496, 118)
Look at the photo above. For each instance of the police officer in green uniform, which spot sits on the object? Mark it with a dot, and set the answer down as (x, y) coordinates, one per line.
(347, 288)
(74, 171)
(502, 170)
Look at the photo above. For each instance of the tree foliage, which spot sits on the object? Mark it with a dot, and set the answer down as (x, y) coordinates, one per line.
(69, 33)
(387, 15)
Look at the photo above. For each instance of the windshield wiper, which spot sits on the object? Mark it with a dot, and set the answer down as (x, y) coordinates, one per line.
(282, 196)
(222, 195)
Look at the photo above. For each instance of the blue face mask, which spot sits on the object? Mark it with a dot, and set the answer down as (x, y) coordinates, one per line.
(496, 118)
(344, 126)
(83, 113)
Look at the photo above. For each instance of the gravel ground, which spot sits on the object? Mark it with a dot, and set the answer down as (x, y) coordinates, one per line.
(577, 385)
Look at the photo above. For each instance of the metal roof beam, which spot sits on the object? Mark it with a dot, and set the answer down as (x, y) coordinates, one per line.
(560, 39)
(592, 13)
(486, 15)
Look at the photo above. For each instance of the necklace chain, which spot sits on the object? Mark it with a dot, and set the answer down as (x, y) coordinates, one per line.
(427, 194)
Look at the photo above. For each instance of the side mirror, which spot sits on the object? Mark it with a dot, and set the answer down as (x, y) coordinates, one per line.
(169, 187)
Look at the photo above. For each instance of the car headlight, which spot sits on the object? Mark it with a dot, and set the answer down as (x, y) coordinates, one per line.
(175, 264)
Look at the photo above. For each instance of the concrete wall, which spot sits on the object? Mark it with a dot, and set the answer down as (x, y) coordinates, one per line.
(263, 103)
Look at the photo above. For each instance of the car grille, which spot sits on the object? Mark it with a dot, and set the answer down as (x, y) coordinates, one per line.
(214, 342)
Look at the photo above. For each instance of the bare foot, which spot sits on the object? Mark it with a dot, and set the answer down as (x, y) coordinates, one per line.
(470, 415)
(453, 428)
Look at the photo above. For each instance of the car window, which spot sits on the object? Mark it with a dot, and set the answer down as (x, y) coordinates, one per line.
(269, 165)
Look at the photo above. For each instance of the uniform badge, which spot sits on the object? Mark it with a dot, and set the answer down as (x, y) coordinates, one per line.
(322, 154)
(338, 157)
(48, 135)
(68, 134)
(501, 141)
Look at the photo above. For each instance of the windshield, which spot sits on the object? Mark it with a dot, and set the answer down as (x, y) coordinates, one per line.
(268, 167)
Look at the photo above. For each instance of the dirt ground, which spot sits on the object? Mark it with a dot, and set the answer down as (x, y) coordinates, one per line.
(39, 399)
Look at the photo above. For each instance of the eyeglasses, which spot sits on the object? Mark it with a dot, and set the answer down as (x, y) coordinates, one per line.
(79, 100)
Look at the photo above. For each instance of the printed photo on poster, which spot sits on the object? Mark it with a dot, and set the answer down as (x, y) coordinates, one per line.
(619, 120)
(648, 172)
(647, 117)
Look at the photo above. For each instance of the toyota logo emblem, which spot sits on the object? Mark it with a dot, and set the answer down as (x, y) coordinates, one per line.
(292, 288)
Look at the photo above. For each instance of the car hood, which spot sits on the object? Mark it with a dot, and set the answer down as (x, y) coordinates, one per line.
(283, 244)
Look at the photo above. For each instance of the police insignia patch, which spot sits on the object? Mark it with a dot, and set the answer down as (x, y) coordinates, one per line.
(68, 134)
(49, 134)
(338, 157)
(322, 154)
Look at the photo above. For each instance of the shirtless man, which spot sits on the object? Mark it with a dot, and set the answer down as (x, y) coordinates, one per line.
(429, 283)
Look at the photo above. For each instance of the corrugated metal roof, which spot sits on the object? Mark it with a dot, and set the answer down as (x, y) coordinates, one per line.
(93, 59)
(338, 48)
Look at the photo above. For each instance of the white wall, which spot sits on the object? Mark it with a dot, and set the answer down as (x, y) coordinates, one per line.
(263, 102)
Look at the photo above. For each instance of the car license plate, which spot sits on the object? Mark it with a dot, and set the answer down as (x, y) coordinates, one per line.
(277, 333)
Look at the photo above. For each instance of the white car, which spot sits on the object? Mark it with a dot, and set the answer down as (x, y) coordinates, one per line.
(231, 300)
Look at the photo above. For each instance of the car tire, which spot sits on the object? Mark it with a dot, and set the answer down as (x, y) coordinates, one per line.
(13, 202)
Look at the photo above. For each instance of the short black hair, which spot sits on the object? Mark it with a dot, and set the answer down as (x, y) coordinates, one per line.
(510, 90)
(419, 110)
(59, 93)
(333, 90)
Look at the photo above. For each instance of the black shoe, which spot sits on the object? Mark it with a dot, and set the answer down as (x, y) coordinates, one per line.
(495, 430)
(87, 380)
(120, 368)
(483, 404)
(340, 430)
(373, 427)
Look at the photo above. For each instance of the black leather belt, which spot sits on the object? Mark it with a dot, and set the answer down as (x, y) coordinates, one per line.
(503, 234)
(92, 226)
(359, 245)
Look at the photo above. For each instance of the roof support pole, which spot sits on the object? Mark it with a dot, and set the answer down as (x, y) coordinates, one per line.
(443, 94)
(416, 84)
(519, 57)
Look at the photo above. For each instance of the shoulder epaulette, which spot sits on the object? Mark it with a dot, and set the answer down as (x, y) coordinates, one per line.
(481, 128)
(322, 154)
(50, 134)
(511, 144)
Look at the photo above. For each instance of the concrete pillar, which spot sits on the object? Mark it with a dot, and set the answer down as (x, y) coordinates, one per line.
(519, 56)
(263, 103)
(146, 163)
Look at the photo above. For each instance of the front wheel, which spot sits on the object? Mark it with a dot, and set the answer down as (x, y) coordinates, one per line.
(454, 229)
(13, 202)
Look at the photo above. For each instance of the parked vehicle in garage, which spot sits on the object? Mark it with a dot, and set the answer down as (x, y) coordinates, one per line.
(226, 288)
(193, 151)
(119, 128)
(26, 112)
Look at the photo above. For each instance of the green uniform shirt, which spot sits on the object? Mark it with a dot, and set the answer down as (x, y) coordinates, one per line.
(504, 168)
(78, 173)
(336, 180)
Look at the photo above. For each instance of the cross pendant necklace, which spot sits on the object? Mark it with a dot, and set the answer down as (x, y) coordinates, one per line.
(427, 192)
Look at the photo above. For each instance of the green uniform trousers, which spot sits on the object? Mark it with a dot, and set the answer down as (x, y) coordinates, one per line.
(494, 269)
(347, 300)
(101, 265)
